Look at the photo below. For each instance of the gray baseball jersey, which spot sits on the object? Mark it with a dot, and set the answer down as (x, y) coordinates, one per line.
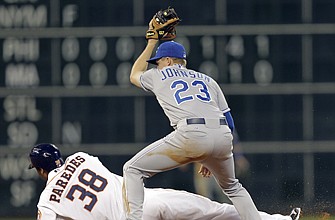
(185, 93)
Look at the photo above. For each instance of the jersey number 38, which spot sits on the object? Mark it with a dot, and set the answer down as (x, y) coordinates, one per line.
(92, 180)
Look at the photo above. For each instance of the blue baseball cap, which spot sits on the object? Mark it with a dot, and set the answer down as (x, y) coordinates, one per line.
(169, 49)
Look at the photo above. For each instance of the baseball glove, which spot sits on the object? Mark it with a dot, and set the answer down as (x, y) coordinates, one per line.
(162, 25)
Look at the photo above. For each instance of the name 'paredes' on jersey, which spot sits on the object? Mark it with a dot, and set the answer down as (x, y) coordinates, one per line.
(186, 73)
(64, 178)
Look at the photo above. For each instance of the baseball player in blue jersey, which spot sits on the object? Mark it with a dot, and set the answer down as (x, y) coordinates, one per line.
(199, 113)
(82, 188)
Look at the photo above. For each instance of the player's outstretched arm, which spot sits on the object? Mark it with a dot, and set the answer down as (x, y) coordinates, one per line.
(177, 204)
(141, 64)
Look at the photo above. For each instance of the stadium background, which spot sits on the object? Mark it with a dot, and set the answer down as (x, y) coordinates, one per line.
(64, 70)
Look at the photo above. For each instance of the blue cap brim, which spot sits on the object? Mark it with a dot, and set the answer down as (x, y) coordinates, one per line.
(153, 60)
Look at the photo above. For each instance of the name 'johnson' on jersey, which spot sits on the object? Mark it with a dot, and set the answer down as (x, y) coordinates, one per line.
(184, 93)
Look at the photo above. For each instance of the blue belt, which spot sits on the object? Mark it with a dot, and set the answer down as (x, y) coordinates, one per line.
(190, 121)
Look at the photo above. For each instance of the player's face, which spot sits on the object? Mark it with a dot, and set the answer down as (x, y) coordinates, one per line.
(163, 62)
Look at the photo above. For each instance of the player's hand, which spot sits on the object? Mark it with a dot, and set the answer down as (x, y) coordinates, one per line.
(151, 40)
(204, 171)
(242, 166)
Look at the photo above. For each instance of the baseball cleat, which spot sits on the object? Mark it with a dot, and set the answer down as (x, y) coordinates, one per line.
(295, 214)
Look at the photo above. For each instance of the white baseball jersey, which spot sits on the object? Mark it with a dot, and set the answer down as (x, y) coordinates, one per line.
(84, 189)
(81, 189)
(185, 93)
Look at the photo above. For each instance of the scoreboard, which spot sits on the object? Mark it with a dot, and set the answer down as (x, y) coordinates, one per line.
(64, 76)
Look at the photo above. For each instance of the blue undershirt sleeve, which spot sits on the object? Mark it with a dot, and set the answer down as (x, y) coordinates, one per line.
(230, 121)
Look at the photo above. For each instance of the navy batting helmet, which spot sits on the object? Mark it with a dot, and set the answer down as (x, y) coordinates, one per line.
(45, 156)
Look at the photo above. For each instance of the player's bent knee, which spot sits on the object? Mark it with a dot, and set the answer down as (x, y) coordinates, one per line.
(129, 170)
(125, 167)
